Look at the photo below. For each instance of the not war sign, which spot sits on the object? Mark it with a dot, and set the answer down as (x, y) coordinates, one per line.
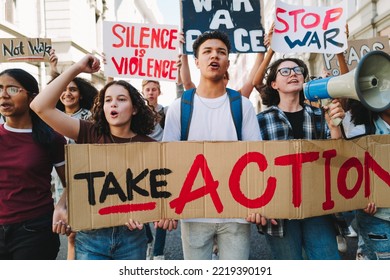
(280, 179)
(25, 49)
(301, 29)
(145, 51)
(240, 19)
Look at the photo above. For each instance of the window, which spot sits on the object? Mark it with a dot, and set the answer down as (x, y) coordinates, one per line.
(9, 10)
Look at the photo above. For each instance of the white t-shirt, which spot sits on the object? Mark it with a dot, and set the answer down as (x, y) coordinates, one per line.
(212, 121)
(352, 130)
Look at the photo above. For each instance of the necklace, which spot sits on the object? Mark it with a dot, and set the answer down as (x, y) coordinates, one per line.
(113, 141)
(213, 108)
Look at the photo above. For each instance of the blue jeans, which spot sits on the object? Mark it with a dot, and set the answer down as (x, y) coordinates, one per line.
(198, 239)
(114, 243)
(374, 237)
(29, 240)
(315, 236)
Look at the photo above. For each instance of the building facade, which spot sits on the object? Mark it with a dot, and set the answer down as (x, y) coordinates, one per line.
(74, 26)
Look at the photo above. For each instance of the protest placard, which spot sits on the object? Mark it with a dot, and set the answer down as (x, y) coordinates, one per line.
(25, 49)
(145, 51)
(280, 179)
(300, 29)
(354, 53)
(240, 19)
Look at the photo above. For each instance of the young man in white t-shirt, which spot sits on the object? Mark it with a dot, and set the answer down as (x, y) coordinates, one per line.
(212, 120)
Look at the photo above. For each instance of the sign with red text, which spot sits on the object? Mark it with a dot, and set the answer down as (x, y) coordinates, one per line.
(25, 49)
(300, 29)
(356, 50)
(280, 179)
(241, 20)
(145, 51)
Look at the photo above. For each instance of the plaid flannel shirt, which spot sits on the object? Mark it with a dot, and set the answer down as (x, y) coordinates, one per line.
(274, 125)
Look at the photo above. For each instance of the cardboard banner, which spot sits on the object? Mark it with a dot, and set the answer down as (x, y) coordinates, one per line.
(25, 49)
(356, 50)
(240, 19)
(300, 29)
(145, 51)
(296, 179)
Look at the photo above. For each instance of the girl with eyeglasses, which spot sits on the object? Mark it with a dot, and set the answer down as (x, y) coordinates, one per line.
(289, 117)
(29, 149)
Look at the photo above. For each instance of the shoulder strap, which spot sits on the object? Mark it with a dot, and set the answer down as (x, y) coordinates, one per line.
(236, 109)
(186, 106)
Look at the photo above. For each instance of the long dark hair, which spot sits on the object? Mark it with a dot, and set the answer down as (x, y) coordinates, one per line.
(41, 132)
(87, 94)
(141, 123)
(269, 95)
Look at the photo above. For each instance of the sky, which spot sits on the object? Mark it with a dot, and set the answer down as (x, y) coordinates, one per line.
(170, 10)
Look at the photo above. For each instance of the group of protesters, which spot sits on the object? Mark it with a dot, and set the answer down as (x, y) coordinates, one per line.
(70, 110)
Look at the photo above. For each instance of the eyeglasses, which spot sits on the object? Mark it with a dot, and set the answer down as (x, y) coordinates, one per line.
(11, 91)
(286, 71)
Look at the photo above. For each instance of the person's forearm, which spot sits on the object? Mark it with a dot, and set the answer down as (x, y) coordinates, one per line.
(50, 95)
(259, 76)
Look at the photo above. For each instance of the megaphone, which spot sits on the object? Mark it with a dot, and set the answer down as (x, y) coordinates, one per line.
(368, 83)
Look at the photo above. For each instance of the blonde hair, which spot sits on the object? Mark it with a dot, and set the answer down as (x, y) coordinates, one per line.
(145, 82)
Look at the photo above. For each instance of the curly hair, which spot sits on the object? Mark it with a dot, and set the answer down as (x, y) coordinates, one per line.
(87, 94)
(269, 95)
(208, 35)
(141, 123)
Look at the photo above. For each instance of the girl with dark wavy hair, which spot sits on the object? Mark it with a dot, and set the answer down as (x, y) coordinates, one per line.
(120, 115)
(29, 150)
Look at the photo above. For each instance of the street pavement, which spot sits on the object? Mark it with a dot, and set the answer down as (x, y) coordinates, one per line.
(259, 248)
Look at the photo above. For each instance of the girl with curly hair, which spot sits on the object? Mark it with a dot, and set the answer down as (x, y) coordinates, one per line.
(120, 115)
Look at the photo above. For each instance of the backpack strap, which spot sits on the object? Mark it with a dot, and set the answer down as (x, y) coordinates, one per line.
(186, 106)
(236, 109)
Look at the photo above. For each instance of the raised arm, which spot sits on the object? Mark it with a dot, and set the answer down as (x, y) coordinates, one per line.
(341, 59)
(257, 81)
(185, 72)
(44, 104)
(248, 85)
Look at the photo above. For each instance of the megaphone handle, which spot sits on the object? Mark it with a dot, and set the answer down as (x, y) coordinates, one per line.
(328, 102)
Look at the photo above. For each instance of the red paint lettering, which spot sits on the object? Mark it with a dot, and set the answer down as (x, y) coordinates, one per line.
(127, 208)
(370, 163)
(296, 160)
(329, 203)
(235, 186)
(316, 21)
(278, 11)
(114, 32)
(342, 177)
(294, 14)
(172, 36)
(122, 67)
(330, 16)
(187, 194)
(144, 35)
